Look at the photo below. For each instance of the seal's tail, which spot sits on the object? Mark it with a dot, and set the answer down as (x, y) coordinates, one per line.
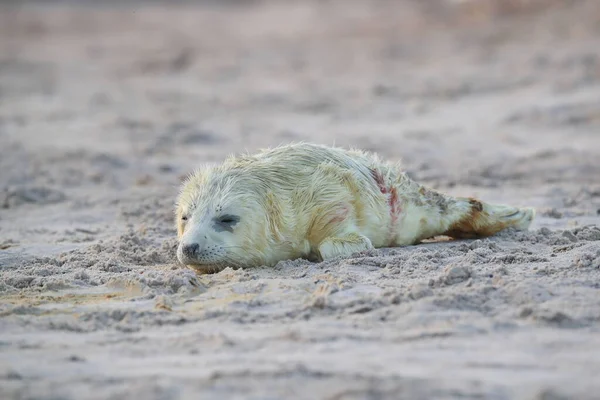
(475, 218)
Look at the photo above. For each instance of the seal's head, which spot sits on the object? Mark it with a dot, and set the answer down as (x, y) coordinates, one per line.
(220, 217)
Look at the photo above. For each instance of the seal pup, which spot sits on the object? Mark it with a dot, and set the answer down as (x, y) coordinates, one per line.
(317, 202)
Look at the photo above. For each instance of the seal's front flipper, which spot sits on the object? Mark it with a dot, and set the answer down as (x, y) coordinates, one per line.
(479, 219)
(347, 245)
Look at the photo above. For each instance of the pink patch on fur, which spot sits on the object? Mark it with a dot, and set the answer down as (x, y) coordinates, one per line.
(379, 180)
(395, 211)
(393, 203)
(340, 215)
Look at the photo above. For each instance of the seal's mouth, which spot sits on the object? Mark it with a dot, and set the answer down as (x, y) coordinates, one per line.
(206, 268)
(198, 265)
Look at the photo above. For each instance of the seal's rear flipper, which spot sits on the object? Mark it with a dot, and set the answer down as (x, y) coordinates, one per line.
(479, 219)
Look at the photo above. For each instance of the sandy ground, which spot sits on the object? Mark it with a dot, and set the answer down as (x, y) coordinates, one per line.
(105, 106)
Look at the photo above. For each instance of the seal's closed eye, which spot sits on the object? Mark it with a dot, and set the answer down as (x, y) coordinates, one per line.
(229, 219)
(226, 222)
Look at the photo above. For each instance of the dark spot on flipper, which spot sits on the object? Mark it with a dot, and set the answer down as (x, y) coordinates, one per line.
(438, 199)
(225, 223)
(477, 206)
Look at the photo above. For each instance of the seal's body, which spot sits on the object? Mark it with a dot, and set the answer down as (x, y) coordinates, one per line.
(317, 202)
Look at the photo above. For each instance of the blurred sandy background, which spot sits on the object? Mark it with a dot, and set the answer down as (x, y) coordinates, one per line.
(105, 105)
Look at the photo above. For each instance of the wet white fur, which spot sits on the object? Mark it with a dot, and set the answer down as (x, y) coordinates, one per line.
(313, 201)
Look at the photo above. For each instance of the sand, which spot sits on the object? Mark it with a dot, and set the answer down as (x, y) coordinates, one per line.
(105, 106)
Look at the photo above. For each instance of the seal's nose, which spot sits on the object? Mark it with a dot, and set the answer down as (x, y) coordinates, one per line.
(190, 250)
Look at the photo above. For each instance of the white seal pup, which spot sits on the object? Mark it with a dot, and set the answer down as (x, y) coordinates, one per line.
(317, 202)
